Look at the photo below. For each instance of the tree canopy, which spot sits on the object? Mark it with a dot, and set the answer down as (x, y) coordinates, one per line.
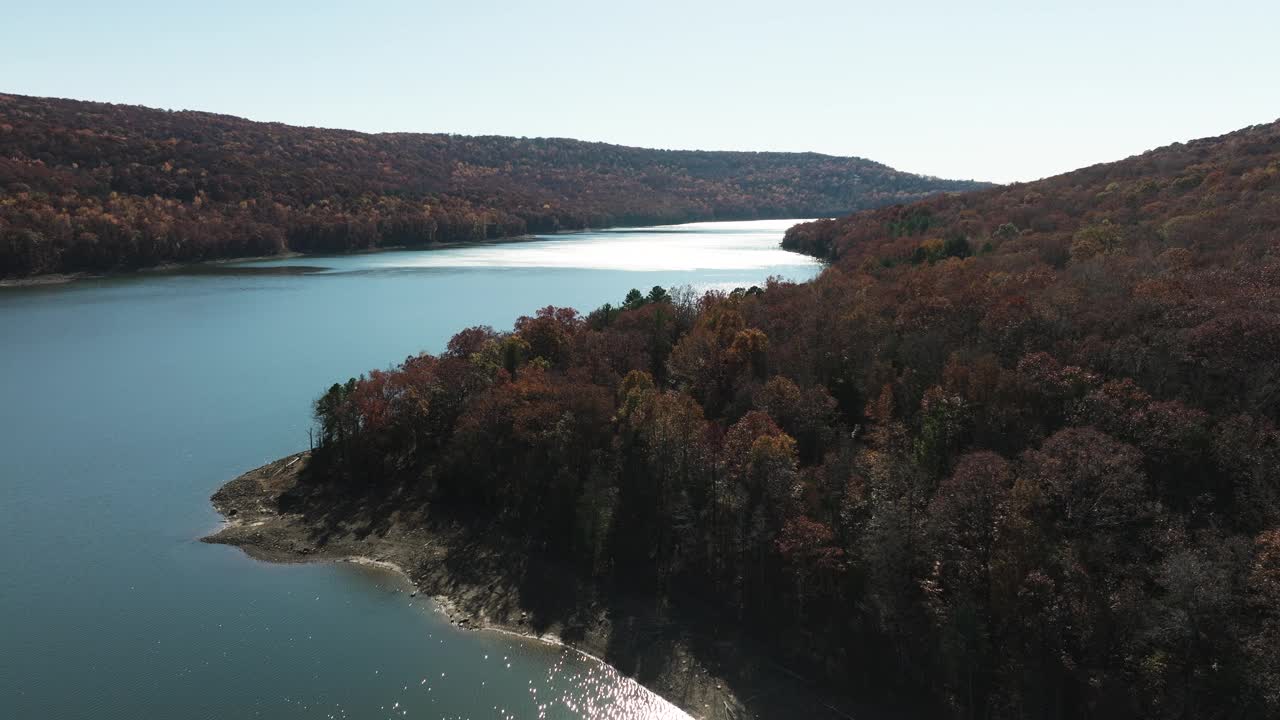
(1029, 471)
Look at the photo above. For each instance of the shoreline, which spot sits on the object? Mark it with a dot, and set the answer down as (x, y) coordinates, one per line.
(49, 279)
(169, 267)
(443, 605)
(273, 515)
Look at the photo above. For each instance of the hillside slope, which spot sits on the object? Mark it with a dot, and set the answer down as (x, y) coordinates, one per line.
(1015, 455)
(1210, 191)
(92, 186)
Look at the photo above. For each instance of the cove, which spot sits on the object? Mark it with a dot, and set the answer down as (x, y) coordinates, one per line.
(126, 401)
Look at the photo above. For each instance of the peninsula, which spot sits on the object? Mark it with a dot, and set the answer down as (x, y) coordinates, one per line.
(1013, 454)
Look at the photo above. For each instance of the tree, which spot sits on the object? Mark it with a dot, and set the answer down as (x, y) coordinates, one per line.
(956, 246)
(633, 300)
(657, 295)
(1081, 507)
(1263, 646)
(812, 558)
(749, 351)
(967, 523)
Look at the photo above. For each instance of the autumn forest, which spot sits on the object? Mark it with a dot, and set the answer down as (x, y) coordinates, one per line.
(1012, 455)
(93, 187)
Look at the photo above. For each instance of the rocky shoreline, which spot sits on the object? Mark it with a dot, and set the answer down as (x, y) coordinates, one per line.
(483, 583)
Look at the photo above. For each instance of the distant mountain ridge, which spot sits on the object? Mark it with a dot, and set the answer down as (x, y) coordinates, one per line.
(88, 186)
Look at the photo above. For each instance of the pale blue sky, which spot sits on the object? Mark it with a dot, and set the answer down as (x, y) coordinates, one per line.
(990, 90)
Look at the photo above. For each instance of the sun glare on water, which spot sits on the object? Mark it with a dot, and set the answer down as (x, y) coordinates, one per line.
(699, 246)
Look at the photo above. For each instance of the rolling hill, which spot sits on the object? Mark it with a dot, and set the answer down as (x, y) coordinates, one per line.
(90, 186)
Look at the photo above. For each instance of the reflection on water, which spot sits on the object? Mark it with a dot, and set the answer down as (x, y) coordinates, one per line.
(125, 402)
(696, 246)
(732, 246)
(498, 674)
(238, 268)
(593, 690)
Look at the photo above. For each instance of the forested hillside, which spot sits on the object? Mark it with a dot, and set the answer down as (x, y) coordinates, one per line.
(1014, 455)
(90, 186)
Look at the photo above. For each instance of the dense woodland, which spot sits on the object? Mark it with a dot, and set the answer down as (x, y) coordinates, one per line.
(92, 187)
(1014, 453)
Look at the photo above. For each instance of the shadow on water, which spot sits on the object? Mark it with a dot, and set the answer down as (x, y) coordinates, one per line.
(244, 270)
(489, 571)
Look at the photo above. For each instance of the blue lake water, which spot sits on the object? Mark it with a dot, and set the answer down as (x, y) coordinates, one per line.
(125, 402)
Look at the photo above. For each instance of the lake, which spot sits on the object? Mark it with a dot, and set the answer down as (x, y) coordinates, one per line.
(125, 402)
